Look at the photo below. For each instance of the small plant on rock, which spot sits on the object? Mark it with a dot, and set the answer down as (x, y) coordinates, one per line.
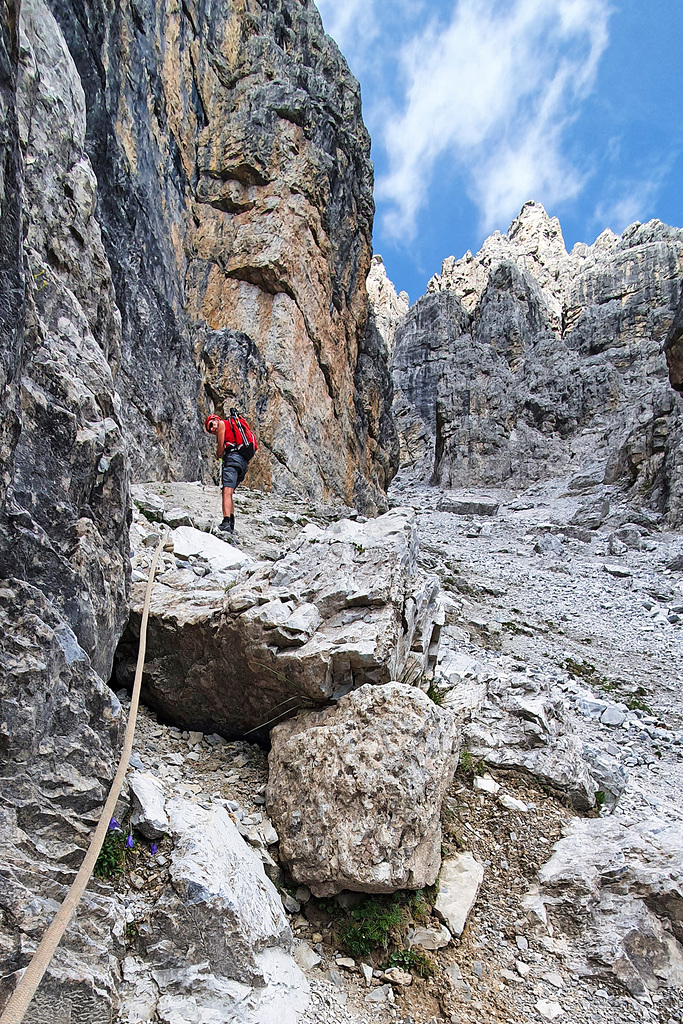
(468, 766)
(438, 693)
(374, 919)
(412, 960)
(112, 855)
(420, 902)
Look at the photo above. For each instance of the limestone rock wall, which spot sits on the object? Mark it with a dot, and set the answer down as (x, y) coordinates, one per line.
(11, 264)
(63, 521)
(64, 499)
(60, 725)
(674, 349)
(387, 308)
(235, 192)
(525, 362)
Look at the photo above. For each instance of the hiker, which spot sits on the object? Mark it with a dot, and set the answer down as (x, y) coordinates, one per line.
(235, 444)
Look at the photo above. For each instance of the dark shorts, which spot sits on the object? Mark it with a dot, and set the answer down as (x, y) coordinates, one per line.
(234, 469)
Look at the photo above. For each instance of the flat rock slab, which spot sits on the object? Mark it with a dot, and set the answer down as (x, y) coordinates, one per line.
(345, 606)
(459, 883)
(355, 791)
(622, 884)
(189, 542)
(465, 505)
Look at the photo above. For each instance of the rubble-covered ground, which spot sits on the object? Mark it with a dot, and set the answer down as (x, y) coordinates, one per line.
(545, 587)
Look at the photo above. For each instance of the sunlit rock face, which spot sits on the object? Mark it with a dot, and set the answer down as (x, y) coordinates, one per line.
(236, 201)
(525, 362)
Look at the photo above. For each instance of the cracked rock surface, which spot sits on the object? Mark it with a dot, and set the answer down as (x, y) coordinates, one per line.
(355, 791)
(237, 648)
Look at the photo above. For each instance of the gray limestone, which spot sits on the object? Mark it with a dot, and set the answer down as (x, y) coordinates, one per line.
(459, 882)
(255, 641)
(148, 804)
(355, 791)
(621, 884)
(525, 362)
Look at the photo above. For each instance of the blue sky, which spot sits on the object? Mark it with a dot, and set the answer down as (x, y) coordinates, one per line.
(475, 106)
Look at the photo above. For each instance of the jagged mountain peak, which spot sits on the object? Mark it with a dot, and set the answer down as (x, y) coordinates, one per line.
(537, 231)
(524, 375)
(387, 306)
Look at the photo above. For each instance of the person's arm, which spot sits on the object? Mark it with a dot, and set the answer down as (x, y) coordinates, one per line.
(220, 439)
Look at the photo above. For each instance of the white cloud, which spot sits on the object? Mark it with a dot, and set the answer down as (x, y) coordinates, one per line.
(492, 93)
(354, 26)
(633, 200)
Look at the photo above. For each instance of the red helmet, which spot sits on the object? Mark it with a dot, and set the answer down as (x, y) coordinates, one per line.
(210, 419)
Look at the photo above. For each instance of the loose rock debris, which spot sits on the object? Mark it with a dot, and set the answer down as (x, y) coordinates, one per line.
(511, 963)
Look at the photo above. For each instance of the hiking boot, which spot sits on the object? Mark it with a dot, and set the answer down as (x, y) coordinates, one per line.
(226, 526)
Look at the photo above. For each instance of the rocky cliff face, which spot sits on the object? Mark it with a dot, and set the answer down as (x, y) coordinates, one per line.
(525, 362)
(185, 219)
(674, 349)
(236, 202)
(64, 521)
(63, 516)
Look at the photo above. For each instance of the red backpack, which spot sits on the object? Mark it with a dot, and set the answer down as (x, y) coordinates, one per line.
(239, 436)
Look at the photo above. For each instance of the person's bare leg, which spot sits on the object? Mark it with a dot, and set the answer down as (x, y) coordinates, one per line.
(228, 504)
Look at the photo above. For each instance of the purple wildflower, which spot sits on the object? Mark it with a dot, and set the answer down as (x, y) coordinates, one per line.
(154, 848)
(113, 824)
(130, 843)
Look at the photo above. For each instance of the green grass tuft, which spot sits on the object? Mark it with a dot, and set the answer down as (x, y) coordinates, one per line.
(111, 857)
(411, 960)
(438, 693)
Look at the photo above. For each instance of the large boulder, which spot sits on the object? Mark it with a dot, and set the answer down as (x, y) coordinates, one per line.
(216, 944)
(621, 884)
(511, 720)
(355, 791)
(345, 606)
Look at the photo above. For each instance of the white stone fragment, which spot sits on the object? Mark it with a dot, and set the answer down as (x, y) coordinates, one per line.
(549, 1008)
(188, 542)
(398, 977)
(486, 784)
(510, 803)
(612, 716)
(553, 978)
(149, 806)
(430, 938)
(306, 957)
(459, 884)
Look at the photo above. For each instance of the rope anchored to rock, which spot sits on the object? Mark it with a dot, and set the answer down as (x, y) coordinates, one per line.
(33, 975)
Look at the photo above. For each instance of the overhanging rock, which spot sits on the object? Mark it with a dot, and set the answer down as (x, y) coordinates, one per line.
(345, 606)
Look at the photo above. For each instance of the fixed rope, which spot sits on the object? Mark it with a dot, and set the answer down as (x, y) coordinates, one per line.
(33, 975)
